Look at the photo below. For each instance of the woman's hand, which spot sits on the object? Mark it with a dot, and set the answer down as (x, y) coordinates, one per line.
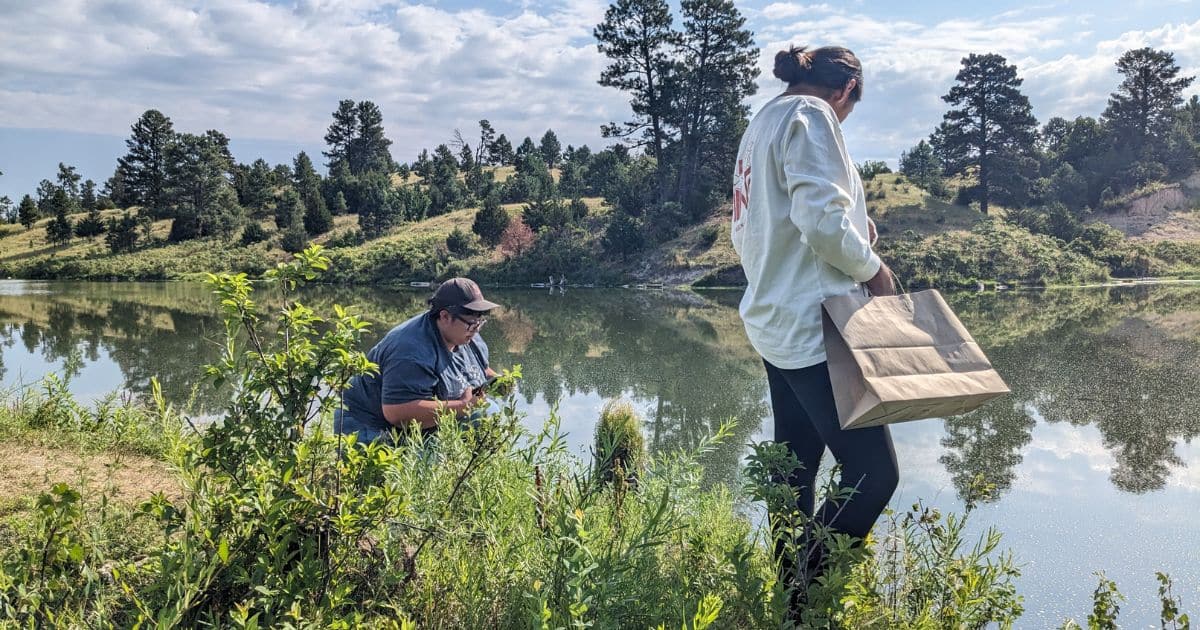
(882, 283)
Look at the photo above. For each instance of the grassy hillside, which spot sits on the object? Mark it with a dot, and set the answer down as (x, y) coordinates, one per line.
(931, 240)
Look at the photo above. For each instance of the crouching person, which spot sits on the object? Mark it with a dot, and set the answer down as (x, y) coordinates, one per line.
(428, 365)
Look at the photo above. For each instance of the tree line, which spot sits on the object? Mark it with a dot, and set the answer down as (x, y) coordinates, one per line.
(1050, 177)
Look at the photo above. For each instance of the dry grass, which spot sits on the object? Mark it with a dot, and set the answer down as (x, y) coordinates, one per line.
(27, 470)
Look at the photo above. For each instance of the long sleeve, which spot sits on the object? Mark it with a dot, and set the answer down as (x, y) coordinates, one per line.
(816, 171)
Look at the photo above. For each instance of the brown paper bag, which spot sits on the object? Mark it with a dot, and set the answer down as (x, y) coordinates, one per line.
(903, 357)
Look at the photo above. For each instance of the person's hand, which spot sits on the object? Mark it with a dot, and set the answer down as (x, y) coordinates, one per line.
(872, 233)
(882, 283)
(468, 399)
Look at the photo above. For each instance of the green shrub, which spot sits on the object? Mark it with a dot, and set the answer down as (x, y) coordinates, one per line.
(620, 447)
(253, 233)
(460, 243)
(708, 236)
(347, 238)
(294, 239)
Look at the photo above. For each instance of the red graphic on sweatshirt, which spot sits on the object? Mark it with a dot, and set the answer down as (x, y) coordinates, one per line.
(741, 190)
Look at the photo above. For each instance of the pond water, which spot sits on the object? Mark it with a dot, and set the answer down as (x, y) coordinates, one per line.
(1094, 454)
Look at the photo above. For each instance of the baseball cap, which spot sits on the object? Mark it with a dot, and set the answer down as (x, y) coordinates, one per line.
(461, 293)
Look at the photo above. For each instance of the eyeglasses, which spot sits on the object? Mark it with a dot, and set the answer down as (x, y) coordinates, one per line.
(472, 324)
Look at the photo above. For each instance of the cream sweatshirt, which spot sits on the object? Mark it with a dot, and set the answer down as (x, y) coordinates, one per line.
(799, 226)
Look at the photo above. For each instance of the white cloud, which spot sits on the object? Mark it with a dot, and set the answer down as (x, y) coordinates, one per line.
(276, 71)
(267, 71)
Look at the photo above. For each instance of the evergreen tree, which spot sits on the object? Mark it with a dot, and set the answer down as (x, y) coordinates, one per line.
(199, 192)
(490, 221)
(500, 151)
(122, 233)
(87, 195)
(289, 210)
(90, 225)
(526, 149)
(257, 192)
(294, 239)
(27, 212)
(8, 212)
(306, 181)
(116, 190)
(368, 151)
(339, 204)
(922, 168)
(59, 230)
(68, 180)
(718, 75)
(342, 131)
(550, 148)
(1144, 105)
(445, 191)
(989, 131)
(144, 167)
(637, 38)
(466, 158)
(487, 136)
(379, 209)
(423, 167)
(45, 197)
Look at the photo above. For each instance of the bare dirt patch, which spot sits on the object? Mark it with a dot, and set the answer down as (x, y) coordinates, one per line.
(1166, 214)
(27, 470)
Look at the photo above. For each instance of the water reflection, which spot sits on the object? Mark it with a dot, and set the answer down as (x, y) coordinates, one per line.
(1124, 360)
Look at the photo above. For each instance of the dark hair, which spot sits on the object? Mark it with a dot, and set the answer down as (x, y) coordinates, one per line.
(829, 67)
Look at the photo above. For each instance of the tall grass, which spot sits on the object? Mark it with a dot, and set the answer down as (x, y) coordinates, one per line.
(282, 524)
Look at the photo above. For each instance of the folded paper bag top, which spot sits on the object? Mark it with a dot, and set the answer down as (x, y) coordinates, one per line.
(903, 357)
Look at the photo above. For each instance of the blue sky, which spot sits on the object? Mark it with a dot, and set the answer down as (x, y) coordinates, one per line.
(75, 74)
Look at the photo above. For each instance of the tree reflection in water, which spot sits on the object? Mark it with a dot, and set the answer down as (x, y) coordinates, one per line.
(1124, 360)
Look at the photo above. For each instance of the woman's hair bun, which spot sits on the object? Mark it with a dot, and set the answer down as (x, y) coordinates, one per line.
(793, 64)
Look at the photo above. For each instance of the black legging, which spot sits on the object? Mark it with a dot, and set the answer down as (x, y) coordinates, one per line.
(806, 419)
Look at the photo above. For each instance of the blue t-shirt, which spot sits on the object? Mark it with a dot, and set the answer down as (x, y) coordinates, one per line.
(414, 364)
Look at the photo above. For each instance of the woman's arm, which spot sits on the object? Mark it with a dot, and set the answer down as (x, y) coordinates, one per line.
(426, 412)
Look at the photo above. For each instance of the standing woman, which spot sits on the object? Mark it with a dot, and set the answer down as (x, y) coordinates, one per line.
(801, 229)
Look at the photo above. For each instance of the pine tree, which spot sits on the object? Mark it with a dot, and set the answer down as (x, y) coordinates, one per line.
(122, 233)
(289, 210)
(368, 152)
(27, 212)
(501, 151)
(59, 230)
(990, 131)
(306, 181)
(637, 38)
(199, 192)
(144, 167)
(68, 180)
(718, 75)
(490, 221)
(378, 207)
(526, 149)
(45, 197)
(445, 191)
(90, 225)
(922, 168)
(550, 148)
(1143, 107)
(257, 193)
(8, 212)
(342, 131)
(339, 204)
(466, 158)
(87, 195)
(487, 135)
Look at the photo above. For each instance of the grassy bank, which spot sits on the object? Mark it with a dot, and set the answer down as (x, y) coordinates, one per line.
(271, 521)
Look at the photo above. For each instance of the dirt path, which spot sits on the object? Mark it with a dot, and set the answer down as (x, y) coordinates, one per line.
(27, 470)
